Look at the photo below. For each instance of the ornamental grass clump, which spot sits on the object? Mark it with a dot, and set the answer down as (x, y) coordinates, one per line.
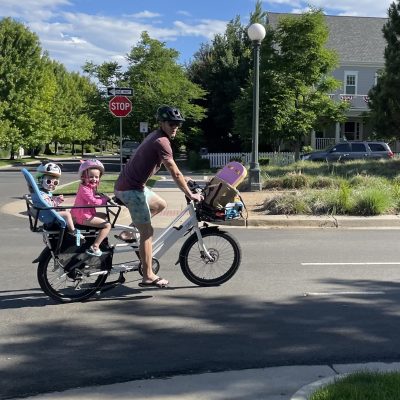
(295, 181)
(372, 201)
(289, 204)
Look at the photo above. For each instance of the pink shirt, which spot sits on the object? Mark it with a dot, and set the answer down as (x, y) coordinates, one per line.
(86, 196)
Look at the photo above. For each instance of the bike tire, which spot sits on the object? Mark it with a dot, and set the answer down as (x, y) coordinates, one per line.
(62, 286)
(202, 272)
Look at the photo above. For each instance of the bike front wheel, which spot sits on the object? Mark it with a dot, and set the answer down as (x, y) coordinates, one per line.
(225, 258)
(71, 277)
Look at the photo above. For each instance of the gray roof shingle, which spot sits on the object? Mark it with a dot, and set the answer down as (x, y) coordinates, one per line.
(357, 40)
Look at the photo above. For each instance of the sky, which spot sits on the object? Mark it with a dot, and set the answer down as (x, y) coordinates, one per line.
(76, 31)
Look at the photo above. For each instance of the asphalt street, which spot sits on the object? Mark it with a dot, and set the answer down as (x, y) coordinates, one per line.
(300, 297)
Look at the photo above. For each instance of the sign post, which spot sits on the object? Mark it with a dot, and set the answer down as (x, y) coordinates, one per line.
(120, 106)
(144, 128)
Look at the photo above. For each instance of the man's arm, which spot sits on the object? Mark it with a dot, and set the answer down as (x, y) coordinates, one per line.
(180, 180)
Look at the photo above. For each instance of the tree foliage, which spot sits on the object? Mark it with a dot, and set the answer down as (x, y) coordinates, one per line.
(156, 78)
(295, 82)
(40, 101)
(221, 69)
(384, 97)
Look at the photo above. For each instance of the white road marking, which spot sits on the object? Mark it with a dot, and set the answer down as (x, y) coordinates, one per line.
(337, 293)
(352, 263)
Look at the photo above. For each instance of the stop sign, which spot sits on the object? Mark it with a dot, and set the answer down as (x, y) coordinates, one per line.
(120, 106)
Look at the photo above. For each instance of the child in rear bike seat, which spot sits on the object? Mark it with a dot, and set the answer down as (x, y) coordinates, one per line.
(90, 172)
(47, 177)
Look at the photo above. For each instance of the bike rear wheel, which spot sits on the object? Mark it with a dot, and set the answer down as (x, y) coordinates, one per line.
(225, 253)
(72, 277)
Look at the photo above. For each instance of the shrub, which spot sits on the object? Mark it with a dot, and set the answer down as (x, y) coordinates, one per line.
(289, 203)
(373, 201)
(368, 181)
(195, 162)
(294, 181)
(322, 182)
(307, 149)
(273, 183)
(263, 161)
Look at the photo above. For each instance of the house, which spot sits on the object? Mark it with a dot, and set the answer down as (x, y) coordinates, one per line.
(360, 45)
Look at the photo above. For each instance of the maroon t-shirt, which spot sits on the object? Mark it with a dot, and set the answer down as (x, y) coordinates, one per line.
(147, 160)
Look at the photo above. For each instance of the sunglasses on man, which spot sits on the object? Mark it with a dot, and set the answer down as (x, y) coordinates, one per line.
(174, 124)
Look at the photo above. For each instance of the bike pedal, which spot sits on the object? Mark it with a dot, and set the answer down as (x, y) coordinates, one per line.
(123, 268)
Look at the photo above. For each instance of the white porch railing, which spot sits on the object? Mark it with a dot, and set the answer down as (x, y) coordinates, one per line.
(322, 143)
(221, 159)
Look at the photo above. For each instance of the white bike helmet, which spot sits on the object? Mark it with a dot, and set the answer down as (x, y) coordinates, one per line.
(49, 169)
(91, 164)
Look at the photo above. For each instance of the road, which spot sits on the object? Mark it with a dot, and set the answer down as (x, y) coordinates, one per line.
(301, 296)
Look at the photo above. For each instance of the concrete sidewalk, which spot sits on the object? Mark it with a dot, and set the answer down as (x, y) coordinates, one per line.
(275, 383)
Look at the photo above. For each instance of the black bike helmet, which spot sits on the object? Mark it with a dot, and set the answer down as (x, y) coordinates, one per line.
(166, 113)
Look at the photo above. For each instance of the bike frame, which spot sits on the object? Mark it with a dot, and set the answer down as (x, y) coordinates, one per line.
(170, 235)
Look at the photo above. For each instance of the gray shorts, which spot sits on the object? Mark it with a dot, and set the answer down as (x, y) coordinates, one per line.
(137, 203)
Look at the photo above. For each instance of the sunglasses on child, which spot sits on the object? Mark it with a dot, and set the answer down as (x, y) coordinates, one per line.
(174, 124)
(54, 181)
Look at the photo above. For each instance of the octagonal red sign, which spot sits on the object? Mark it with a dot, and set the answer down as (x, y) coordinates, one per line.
(120, 106)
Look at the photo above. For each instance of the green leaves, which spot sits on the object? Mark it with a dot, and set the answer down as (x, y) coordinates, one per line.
(384, 97)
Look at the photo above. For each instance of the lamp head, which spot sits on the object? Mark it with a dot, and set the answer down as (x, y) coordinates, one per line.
(256, 32)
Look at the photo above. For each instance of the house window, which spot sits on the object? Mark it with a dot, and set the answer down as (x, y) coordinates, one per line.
(350, 79)
(352, 130)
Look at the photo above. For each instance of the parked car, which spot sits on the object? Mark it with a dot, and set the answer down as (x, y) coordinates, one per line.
(345, 151)
(128, 149)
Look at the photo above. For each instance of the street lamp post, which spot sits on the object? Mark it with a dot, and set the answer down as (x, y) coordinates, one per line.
(256, 34)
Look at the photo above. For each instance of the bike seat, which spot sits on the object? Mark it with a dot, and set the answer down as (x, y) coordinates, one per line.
(47, 214)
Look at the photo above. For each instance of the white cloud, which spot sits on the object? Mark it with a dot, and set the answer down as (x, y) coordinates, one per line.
(368, 8)
(146, 14)
(183, 12)
(206, 28)
(31, 10)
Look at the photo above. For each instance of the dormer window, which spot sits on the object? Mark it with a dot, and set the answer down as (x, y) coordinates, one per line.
(350, 80)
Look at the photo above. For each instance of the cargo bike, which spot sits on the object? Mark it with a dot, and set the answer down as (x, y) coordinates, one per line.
(66, 273)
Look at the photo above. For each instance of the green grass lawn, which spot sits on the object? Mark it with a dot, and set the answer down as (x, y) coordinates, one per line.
(362, 385)
(106, 185)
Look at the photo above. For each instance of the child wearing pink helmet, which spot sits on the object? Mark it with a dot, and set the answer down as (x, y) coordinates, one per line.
(90, 172)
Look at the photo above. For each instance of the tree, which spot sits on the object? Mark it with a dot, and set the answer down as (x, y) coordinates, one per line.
(384, 97)
(295, 81)
(156, 79)
(72, 106)
(26, 88)
(221, 69)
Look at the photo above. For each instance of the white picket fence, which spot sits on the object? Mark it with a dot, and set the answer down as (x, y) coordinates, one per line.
(220, 159)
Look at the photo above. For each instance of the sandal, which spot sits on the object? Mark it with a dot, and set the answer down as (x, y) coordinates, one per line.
(158, 282)
(94, 252)
(126, 236)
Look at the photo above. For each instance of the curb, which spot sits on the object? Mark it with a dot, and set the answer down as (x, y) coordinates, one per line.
(306, 391)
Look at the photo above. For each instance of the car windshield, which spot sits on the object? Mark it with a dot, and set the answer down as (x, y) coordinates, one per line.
(132, 145)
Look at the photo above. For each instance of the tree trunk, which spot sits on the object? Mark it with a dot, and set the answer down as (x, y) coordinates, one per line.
(297, 150)
(47, 149)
